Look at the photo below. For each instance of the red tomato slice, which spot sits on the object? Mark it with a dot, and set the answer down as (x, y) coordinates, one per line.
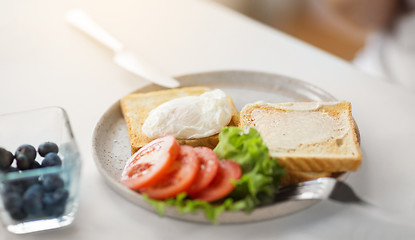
(150, 163)
(221, 184)
(179, 178)
(209, 164)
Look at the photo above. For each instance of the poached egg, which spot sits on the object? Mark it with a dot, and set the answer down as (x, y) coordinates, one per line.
(190, 117)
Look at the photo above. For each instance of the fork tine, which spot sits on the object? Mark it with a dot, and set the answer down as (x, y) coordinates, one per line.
(314, 189)
(320, 188)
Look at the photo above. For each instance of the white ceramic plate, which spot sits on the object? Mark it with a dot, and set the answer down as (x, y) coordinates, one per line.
(111, 146)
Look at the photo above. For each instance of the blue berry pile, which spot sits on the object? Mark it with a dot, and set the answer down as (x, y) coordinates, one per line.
(39, 196)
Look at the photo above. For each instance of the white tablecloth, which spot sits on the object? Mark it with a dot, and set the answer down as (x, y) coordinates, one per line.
(44, 61)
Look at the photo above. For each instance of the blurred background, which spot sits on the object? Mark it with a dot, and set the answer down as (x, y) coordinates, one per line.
(376, 36)
(318, 22)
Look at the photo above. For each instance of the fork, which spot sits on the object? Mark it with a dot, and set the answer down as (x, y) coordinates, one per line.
(320, 188)
(333, 189)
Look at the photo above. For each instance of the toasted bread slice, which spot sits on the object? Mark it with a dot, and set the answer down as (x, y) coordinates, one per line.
(307, 136)
(136, 107)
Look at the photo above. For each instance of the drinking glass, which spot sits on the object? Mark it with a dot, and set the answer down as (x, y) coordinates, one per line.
(54, 203)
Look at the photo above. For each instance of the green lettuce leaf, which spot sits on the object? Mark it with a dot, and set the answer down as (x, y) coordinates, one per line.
(261, 175)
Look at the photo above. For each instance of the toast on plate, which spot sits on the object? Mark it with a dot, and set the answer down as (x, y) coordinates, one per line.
(310, 139)
(137, 106)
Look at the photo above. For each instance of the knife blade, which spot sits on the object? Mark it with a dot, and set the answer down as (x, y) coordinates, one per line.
(122, 57)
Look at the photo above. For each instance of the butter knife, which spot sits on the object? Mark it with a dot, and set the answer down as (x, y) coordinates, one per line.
(122, 57)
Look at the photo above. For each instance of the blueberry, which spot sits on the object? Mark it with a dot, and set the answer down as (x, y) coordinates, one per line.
(54, 210)
(18, 214)
(25, 155)
(47, 147)
(28, 150)
(29, 181)
(32, 199)
(13, 187)
(52, 182)
(12, 201)
(57, 197)
(51, 159)
(54, 203)
(48, 200)
(23, 162)
(19, 185)
(35, 165)
(6, 159)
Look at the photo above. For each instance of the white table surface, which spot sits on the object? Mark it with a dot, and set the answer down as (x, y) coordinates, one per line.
(44, 62)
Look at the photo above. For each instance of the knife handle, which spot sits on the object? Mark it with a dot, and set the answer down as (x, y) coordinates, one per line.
(83, 22)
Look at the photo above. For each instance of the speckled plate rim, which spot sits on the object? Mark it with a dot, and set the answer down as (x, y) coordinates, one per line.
(259, 214)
